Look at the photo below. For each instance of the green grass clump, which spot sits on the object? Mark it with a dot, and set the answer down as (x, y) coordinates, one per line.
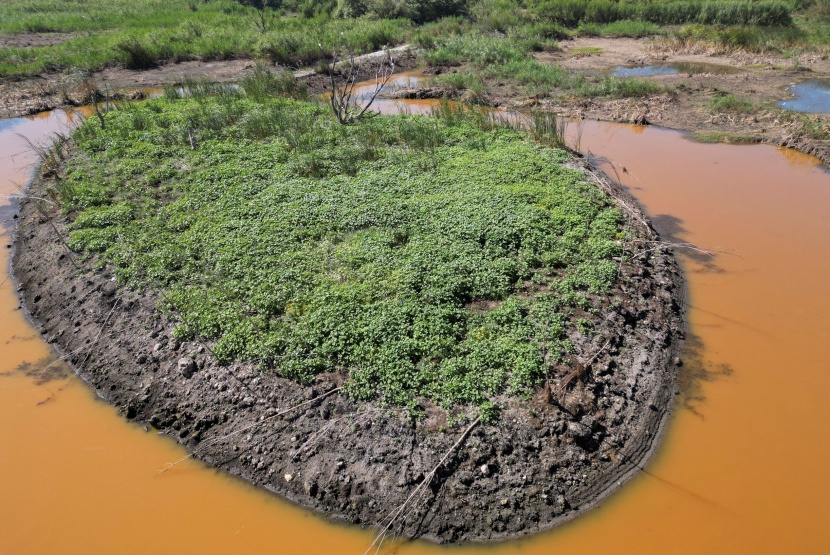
(731, 103)
(426, 258)
(619, 87)
(715, 137)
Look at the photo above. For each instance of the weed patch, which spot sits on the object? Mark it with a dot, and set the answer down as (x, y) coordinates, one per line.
(283, 237)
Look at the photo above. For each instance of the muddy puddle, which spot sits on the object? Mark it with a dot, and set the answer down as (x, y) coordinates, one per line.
(741, 469)
(671, 69)
(812, 97)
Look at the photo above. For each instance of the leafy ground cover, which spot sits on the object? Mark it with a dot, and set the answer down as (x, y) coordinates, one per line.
(426, 258)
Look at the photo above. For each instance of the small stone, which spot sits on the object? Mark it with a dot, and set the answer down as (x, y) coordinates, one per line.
(485, 469)
(108, 289)
(288, 477)
(187, 366)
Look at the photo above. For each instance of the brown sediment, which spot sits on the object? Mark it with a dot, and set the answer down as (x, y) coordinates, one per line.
(546, 460)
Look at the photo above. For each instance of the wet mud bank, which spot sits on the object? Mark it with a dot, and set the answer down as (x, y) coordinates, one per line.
(547, 459)
(59, 90)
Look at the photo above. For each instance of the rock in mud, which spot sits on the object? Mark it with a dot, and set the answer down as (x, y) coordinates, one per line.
(187, 366)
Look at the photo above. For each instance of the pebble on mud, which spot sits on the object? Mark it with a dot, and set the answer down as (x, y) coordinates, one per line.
(187, 366)
(288, 477)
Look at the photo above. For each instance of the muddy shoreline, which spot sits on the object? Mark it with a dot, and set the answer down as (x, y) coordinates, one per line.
(760, 78)
(545, 461)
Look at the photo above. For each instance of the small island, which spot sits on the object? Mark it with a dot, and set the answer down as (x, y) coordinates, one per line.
(444, 319)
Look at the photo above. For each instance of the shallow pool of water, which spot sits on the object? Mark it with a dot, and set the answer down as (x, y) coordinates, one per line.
(741, 469)
(812, 97)
(671, 69)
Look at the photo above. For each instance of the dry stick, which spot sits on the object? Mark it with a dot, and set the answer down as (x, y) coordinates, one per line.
(168, 466)
(690, 246)
(380, 538)
(620, 202)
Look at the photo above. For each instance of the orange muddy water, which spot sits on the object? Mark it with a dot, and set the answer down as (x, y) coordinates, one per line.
(742, 468)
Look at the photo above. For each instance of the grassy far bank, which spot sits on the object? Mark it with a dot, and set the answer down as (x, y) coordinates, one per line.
(141, 33)
(427, 258)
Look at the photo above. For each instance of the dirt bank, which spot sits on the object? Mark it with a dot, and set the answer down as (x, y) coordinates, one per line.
(546, 459)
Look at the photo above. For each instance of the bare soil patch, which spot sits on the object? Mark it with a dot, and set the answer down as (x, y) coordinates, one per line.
(33, 40)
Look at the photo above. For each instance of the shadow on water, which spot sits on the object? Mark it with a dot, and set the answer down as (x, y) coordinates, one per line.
(46, 370)
(671, 230)
(695, 371)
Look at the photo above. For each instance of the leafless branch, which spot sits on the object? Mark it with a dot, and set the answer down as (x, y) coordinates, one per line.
(345, 91)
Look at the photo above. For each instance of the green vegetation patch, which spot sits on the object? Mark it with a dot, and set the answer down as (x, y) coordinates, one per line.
(731, 103)
(143, 33)
(427, 258)
(504, 60)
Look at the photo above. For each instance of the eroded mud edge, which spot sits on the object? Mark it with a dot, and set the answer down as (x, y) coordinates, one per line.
(546, 461)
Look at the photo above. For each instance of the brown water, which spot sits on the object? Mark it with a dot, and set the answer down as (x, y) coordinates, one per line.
(744, 472)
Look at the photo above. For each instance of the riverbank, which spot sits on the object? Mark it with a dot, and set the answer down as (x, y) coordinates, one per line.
(541, 463)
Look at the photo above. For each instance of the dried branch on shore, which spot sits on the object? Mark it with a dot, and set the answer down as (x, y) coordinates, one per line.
(344, 104)
(402, 512)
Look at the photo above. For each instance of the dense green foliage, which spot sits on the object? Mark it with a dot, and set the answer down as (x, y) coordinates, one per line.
(294, 33)
(143, 33)
(673, 12)
(427, 257)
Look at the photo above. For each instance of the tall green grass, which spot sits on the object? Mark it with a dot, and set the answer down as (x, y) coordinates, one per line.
(144, 33)
(725, 12)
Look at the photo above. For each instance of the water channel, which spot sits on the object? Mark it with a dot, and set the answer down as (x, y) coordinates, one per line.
(741, 469)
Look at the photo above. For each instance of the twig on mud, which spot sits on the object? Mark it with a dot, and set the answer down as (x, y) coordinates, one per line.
(168, 466)
(396, 514)
(89, 345)
(316, 436)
